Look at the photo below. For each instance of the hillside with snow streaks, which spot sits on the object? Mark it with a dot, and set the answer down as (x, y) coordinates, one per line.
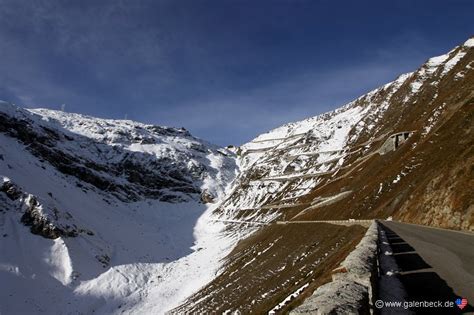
(287, 162)
(403, 150)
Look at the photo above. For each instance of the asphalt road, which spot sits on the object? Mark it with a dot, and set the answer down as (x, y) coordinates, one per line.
(449, 254)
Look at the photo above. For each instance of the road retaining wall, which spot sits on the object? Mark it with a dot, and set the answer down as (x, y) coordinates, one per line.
(353, 283)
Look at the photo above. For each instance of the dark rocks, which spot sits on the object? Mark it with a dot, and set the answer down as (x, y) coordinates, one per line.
(12, 192)
(207, 197)
(51, 133)
(103, 259)
(33, 215)
(38, 223)
(167, 131)
(148, 141)
(198, 147)
(172, 198)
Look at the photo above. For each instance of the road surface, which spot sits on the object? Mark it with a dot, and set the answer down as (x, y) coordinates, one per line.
(424, 253)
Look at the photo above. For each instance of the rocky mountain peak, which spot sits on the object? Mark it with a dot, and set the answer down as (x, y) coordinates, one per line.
(127, 159)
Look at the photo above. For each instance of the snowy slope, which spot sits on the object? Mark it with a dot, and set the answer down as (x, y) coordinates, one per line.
(71, 243)
(285, 164)
(128, 159)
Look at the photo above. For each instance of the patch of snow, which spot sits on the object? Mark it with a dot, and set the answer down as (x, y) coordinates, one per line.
(433, 119)
(453, 61)
(60, 262)
(469, 43)
(288, 299)
(415, 86)
(459, 76)
(435, 62)
(380, 188)
(397, 179)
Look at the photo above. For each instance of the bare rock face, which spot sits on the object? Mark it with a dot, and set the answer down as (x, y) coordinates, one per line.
(10, 190)
(207, 197)
(42, 220)
(37, 222)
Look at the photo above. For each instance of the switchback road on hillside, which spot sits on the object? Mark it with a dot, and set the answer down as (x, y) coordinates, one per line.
(435, 263)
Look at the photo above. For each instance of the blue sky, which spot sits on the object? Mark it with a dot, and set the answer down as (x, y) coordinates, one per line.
(227, 70)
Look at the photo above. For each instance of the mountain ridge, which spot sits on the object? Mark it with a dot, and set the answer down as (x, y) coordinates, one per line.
(408, 157)
(139, 218)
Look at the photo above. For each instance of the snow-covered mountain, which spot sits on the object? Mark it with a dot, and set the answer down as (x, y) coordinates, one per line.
(112, 216)
(289, 162)
(113, 207)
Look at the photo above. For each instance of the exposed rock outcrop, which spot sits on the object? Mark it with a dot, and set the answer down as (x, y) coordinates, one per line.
(42, 220)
